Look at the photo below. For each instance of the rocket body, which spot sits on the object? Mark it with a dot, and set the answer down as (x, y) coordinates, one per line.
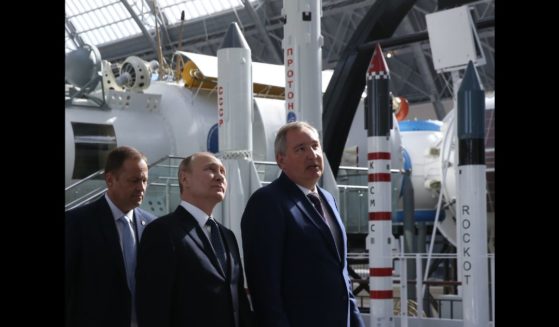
(234, 92)
(378, 124)
(302, 55)
(471, 200)
(235, 116)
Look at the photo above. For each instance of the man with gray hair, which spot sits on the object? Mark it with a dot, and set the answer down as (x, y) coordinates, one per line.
(294, 242)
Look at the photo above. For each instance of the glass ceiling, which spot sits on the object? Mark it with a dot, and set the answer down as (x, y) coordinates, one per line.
(99, 22)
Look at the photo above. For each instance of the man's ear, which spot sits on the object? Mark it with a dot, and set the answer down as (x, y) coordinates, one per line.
(109, 179)
(184, 179)
(279, 160)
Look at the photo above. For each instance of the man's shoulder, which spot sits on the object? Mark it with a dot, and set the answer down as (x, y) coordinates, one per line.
(268, 190)
(326, 194)
(227, 229)
(323, 190)
(146, 214)
(165, 219)
(162, 223)
(85, 210)
(172, 218)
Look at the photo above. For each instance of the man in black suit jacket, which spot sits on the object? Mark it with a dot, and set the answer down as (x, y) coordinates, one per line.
(189, 273)
(295, 249)
(97, 277)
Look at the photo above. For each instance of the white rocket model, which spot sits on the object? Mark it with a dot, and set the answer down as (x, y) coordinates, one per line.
(302, 56)
(234, 93)
(235, 117)
(471, 200)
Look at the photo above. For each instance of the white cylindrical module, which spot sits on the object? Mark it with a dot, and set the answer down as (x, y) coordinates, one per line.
(234, 92)
(183, 123)
(92, 133)
(165, 119)
(421, 140)
(190, 117)
(302, 55)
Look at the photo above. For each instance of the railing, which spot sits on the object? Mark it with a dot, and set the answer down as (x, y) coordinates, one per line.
(441, 298)
(93, 186)
(162, 195)
(85, 190)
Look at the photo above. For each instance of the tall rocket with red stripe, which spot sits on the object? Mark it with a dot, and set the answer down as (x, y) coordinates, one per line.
(378, 120)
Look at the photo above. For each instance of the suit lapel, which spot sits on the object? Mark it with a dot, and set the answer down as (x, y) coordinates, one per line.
(309, 212)
(332, 209)
(108, 228)
(195, 232)
(141, 222)
(230, 250)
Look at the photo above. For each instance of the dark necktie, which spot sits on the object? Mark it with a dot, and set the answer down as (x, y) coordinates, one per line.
(217, 243)
(316, 202)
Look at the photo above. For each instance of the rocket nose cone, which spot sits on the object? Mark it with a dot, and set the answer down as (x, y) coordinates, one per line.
(471, 79)
(377, 64)
(470, 106)
(234, 38)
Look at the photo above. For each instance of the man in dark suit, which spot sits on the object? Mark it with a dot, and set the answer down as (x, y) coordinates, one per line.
(101, 238)
(189, 268)
(294, 246)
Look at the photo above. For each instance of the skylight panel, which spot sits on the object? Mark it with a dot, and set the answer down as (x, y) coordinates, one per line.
(70, 46)
(95, 20)
(193, 9)
(218, 5)
(102, 21)
(84, 6)
(71, 9)
(89, 37)
(201, 9)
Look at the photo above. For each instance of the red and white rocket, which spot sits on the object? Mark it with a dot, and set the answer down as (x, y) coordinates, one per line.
(378, 124)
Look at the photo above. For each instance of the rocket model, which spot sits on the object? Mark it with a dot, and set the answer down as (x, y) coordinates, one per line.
(471, 200)
(234, 92)
(302, 56)
(378, 124)
(235, 116)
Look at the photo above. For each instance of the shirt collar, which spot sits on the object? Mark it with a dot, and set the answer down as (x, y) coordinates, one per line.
(117, 213)
(200, 216)
(306, 191)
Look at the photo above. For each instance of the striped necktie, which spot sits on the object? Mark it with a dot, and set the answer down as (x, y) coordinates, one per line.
(316, 202)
